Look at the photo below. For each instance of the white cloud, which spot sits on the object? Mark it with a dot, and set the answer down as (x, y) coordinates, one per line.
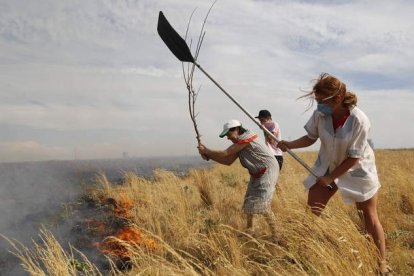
(76, 65)
(150, 71)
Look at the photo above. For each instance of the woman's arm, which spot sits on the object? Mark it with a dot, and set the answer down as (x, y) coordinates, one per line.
(340, 170)
(302, 142)
(225, 157)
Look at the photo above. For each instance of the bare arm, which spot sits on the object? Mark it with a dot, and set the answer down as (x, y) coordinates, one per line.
(340, 170)
(225, 157)
(302, 142)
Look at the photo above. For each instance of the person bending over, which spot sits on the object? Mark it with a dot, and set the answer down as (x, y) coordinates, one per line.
(261, 165)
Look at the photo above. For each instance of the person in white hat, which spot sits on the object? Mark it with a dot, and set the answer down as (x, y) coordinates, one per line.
(263, 168)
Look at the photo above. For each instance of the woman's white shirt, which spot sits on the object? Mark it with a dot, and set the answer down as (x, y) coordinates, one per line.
(351, 140)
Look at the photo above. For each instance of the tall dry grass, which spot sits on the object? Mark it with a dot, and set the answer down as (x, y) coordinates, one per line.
(198, 225)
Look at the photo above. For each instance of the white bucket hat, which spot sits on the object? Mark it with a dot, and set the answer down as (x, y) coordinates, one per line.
(227, 126)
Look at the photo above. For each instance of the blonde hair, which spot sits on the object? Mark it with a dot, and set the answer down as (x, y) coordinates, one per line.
(327, 85)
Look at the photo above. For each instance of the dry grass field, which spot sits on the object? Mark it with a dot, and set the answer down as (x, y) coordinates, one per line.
(193, 225)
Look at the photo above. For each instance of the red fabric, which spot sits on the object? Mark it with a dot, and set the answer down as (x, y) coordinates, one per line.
(259, 173)
(340, 122)
(247, 140)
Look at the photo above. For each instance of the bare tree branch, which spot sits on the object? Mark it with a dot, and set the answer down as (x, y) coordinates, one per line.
(188, 73)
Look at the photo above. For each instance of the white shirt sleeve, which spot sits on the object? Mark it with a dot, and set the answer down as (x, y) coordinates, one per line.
(359, 138)
(311, 126)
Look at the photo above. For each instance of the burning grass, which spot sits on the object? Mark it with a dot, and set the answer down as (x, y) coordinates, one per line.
(193, 225)
(122, 206)
(122, 244)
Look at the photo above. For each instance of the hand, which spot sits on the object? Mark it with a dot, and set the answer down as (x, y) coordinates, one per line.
(203, 152)
(325, 181)
(202, 149)
(283, 145)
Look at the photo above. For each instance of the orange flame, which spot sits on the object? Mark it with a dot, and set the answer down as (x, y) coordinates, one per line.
(132, 237)
(123, 206)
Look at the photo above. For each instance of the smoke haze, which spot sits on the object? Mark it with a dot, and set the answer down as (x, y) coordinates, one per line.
(35, 193)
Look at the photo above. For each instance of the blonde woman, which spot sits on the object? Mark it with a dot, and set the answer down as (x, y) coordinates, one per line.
(346, 160)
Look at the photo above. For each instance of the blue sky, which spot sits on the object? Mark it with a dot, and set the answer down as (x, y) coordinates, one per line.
(92, 79)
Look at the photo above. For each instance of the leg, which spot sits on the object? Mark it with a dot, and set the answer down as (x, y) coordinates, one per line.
(271, 221)
(249, 223)
(372, 223)
(319, 196)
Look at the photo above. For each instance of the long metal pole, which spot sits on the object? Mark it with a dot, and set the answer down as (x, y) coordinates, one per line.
(256, 122)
